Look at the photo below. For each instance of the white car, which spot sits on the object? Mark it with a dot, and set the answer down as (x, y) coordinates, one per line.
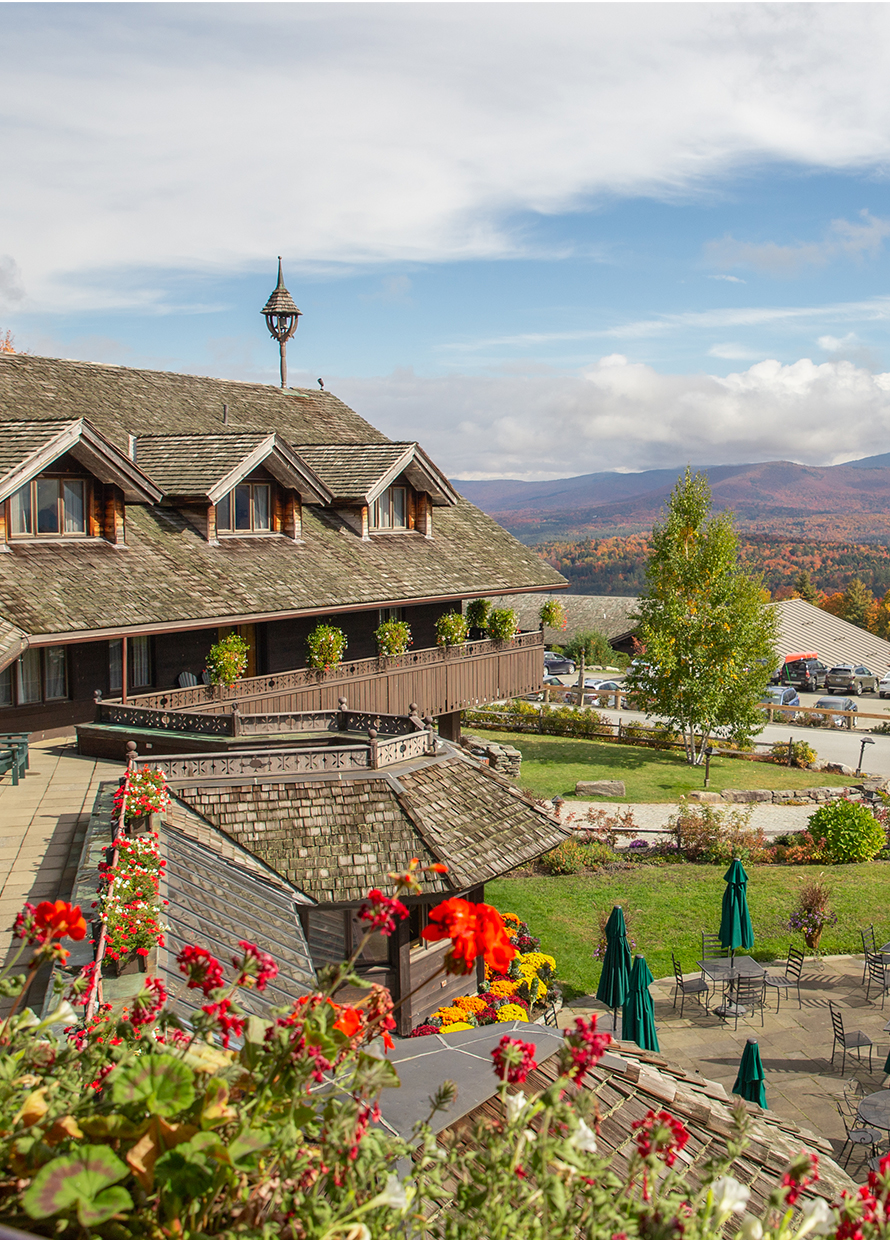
(884, 685)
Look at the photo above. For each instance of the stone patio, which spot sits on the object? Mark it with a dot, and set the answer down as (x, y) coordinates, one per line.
(795, 1045)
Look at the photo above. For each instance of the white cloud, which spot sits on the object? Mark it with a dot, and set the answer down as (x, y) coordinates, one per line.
(161, 138)
(729, 279)
(843, 237)
(733, 352)
(619, 414)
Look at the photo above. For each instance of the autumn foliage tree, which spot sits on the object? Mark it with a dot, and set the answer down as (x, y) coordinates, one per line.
(708, 631)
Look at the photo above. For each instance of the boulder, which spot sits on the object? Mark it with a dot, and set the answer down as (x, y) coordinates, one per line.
(599, 788)
(702, 797)
(746, 796)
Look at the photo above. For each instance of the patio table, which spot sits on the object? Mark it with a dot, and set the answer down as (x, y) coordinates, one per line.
(726, 970)
(874, 1109)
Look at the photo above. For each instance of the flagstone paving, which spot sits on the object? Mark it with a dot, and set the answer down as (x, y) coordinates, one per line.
(795, 1045)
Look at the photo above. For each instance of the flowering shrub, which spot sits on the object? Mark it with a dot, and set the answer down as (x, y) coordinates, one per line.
(477, 613)
(129, 903)
(850, 831)
(393, 638)
(553, 614)
(713, 835)
(802, 754)
(142, 792)
(797, 848)
(502, 625)
(327, 646)
(227, 659)
(451, 629)
(512, 1011)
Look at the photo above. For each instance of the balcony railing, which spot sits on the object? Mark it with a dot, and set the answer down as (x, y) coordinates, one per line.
(438, 680)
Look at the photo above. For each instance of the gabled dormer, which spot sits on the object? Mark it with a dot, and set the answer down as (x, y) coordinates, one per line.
(63, 481)
(232, 485)
(382, 488)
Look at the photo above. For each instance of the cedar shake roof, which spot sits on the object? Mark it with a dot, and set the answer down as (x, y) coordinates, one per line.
(13, 642)
(208, 466)
(169, 573)
(335, 839)
(627, 1083)
(359, 473)
(215, 901)
(27, 448)
(119, 400)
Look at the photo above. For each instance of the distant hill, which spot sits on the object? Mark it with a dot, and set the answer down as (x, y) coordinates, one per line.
(834, 503)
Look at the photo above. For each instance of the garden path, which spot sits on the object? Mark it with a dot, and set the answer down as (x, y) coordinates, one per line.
(652, 818)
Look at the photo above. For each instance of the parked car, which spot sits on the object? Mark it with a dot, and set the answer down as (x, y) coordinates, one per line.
(603, 692)
(557, 664)
(551, 682)
(850, 678)
(884, 685)
(781, 695)
(832, 704)
(807, 674)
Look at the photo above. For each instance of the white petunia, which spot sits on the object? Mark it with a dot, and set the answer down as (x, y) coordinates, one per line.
(817, 1218)
(583, 1138)
(729, 1196)
(515, 1105)
(394, 1195)
(751, 1229)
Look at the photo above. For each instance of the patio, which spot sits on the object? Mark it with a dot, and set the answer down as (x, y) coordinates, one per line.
(795, 1045)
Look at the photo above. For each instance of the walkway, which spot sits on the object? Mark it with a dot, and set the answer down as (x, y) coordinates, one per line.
(652, 818)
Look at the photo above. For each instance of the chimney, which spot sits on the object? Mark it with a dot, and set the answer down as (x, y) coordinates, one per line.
(225, 415)
(131, 448)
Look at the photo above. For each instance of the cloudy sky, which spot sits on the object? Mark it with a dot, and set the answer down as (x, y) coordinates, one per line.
(541, 239)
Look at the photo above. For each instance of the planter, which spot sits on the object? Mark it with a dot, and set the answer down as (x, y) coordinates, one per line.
(142, 823)
(811, 938)
(127, 965)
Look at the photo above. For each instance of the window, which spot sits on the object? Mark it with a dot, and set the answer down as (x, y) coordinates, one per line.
(245, 508)
(41, 676)
(6, 687)
(49, 506)
(138, 664)
(390, 511)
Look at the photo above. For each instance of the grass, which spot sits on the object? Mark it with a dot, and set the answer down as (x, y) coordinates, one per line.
(552, 765)
(668, 907)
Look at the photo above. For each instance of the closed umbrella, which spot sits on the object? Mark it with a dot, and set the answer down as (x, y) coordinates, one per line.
(615, 977)
(735, 923)
(638, 1016)
(749, 1082)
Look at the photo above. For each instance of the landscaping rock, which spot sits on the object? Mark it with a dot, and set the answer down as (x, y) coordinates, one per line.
(818, 764)
(746, 796)
(704, 798)
(599, 788)
(838, 768)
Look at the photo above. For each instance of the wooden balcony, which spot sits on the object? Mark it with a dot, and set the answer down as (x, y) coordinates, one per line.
(440, 681)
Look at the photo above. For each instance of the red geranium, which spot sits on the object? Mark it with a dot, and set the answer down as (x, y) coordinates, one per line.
(381, 912)
(513, 1060)
(660, 1135)
(474, 930)
(202, 970)
(582, 1048)
(254, 966)
(49, 921)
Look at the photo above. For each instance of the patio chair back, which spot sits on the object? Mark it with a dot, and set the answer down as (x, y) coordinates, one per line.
(877, 974)
(837, 1023)
(869, 943)
(749, 993)
(712, 948)
(794, 965)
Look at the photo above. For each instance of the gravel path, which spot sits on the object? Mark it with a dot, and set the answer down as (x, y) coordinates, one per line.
(652, 818)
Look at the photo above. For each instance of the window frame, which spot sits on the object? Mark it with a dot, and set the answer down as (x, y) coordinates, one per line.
(384, 503)
(62, 515)
(143, 644)
(13, 676)
(230, 502)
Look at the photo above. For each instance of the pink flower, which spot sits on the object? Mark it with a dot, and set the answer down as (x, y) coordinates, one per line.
(513, 1059)
(255, 965)
(381, 912)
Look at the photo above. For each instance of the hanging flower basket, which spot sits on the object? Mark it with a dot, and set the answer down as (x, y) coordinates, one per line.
(327, 645)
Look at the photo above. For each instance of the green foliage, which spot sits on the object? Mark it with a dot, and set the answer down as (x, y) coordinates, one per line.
(393, 638)
(451, 629)
(501, 625)
(594, 646)
(552, 614)
(574, 855)
(712, 834)
(227, 659)
(708, 633)
(857, 601)
(554, 720)
(477, 613)
(327, 645)
(802, 754)
(158, 1084)
(850, 830)
(80, 1182)
(804, 588)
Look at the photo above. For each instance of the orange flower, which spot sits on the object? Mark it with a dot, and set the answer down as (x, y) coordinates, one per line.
(474, 930)
(60, 920)
(438, 868)
(349, 1021)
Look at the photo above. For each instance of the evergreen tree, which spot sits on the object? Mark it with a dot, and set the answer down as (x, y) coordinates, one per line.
(804, 588)
(708, 631)
(858, 599)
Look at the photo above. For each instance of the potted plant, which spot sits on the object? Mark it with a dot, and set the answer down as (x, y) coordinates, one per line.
(552, 615)
(227, 660)
(327, 645)
(143, 794)
(451, 629)
(393, 638)
(477, 617)
(502, 625)
(813, 912)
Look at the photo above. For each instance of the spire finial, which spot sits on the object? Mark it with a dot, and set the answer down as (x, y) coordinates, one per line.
(281, 315)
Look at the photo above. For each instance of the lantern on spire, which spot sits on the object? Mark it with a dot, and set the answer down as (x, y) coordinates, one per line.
(281, 315)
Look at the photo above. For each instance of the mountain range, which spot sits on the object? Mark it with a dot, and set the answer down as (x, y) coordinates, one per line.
(833, 503)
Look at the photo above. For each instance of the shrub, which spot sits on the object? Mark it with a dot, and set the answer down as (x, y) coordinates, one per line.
(594, 647)
(798, 848)
(227, 659)
(708, 833)
(567, 858)
(850, 831)
(451, 629)
(802, 754)
(393, 638)
(477, 613)
(327, 645)
(553, 614)
(502, 625)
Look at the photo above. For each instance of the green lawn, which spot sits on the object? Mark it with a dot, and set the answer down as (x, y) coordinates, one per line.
(668, 908)
(552, 765)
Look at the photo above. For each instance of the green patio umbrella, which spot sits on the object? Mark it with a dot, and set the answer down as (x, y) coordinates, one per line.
(749, 1082)
(638, 1016)
(735, 923)
(615, 977)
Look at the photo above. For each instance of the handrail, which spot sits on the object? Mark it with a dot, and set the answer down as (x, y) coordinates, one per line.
(94, 994)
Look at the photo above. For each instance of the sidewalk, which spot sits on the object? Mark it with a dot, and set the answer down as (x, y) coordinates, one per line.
(652, 818)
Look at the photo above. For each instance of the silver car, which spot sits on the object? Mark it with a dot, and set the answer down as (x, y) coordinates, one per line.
(850, 678)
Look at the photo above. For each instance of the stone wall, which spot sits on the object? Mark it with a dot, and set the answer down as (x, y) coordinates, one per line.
(504, 759)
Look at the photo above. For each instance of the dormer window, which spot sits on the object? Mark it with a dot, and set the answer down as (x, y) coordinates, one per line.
(245, 508)
(390, 511)
(48, 506)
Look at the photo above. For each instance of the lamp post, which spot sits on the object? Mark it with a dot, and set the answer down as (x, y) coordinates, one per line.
(862, 744)
(709, 753)
(281, 315)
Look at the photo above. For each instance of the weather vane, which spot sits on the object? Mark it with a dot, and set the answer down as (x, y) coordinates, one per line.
(281, 315)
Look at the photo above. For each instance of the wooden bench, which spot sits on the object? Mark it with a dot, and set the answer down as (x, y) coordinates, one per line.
(14, 754)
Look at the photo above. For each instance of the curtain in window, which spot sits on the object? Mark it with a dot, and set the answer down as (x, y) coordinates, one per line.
(260, 507)
(72, 497)
(6, 687)
(115, 666)
(399, 516)
(29, 677)
(141, 659)
(20, 517)
(56, 672)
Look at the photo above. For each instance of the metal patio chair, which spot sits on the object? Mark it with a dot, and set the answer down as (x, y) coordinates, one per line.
(853, 1041)
(877, 975)
(791, 977)
(868, 945)
(698, 986)
(748, 994)
(858, 1134)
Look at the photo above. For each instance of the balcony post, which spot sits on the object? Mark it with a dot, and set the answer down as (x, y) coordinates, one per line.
(449, 726)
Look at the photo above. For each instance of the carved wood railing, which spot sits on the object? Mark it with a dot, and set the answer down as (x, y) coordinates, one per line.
(233, 723)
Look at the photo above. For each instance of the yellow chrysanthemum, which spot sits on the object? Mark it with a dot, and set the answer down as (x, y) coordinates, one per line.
(503, 989)
(512, 1011)
(458, 1024)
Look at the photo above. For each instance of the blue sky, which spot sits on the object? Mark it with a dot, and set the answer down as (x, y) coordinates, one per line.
(541, 239)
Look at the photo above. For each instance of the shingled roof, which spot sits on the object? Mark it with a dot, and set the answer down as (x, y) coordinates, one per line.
(26, 448)
(119, 400)
(13, 642)
(335, 839)
(358, 473)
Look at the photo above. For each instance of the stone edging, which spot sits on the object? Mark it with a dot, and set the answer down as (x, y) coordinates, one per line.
(784, 796)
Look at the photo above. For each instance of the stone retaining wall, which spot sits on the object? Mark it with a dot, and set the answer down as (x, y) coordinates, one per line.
(504, 759)
(757, 796)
